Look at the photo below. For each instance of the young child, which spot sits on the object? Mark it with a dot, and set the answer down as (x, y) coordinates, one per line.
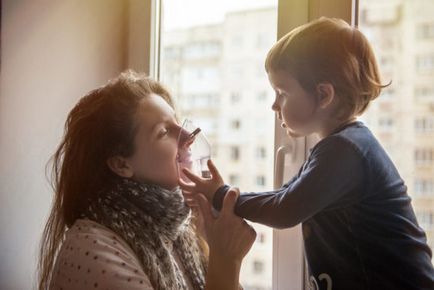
(359, 227)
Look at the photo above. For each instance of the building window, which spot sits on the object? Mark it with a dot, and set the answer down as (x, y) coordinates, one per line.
(260, 180)
(234, 179)
(425, 31)
(235, 97)
(425, 218)
(425, 63)
(235, 124)
(261, 153)
(258, 267)
(423, 156)
(202, 50)
(387, 93)
(260, 238)
(424, 125)
(235, 153)
(423, 187)
(385, 123)
(425, 92)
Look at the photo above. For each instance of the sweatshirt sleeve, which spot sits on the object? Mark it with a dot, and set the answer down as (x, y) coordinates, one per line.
(332, 176)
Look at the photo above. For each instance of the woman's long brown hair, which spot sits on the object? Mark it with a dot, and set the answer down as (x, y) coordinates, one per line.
(101, 125)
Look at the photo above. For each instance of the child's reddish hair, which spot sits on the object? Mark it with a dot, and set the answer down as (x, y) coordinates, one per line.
(330, 50)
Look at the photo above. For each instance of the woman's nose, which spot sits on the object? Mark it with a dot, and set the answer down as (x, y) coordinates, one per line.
(182, 134)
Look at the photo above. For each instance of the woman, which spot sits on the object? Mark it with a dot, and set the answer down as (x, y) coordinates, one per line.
(119, 220)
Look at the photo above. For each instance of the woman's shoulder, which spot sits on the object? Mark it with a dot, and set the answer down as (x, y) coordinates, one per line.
(93, 256)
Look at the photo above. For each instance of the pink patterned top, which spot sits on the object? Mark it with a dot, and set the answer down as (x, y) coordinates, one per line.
(94, 257)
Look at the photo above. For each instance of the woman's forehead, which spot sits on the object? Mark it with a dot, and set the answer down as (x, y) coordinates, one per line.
(155, 105)
(154, 110)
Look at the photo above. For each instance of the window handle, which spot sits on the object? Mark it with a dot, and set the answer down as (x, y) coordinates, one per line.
(279, 169)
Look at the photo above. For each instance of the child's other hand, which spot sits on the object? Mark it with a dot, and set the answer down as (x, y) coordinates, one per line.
(206, 186)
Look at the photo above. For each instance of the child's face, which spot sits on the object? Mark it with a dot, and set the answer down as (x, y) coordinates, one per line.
(293, 105)
(154, 159)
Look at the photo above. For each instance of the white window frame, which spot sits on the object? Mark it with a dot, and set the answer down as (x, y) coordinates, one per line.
(143, 55)
(144, 27)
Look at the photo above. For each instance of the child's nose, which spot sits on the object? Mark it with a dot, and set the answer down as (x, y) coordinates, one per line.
(275, 107)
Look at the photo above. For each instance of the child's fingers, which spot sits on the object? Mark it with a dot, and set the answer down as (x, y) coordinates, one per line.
(193, 177)
(190, 198)
(213, 169)
(187, 194)
(186, 186)
(191, 202)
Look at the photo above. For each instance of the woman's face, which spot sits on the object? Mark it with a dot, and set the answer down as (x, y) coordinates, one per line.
(154, 158)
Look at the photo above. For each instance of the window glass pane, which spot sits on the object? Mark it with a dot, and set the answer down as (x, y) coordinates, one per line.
(212, 60)
(402, 35)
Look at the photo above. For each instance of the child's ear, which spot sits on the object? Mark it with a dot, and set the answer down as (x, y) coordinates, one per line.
(326, 94)
(120, 166)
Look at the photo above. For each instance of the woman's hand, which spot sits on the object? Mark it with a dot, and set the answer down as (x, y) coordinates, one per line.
(205, 186)
(229, 238)
(198, 219)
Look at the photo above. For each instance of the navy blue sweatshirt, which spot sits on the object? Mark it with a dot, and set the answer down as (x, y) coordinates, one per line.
(359, 227)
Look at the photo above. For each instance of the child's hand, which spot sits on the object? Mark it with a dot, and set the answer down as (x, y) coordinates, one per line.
(206, 186)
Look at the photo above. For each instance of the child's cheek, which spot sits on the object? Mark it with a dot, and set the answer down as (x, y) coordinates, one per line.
(297, 115)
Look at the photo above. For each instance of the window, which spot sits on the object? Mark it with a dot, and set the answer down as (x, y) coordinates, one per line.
(260, 180)
(211, 61)
(235, 124)
(261, 152)
(425, 31)
(260, 238)
(234, 179)
(424, 93)
(235, 153)
(425, 63)
(235, 97)
(424, 125)
(424, 187)
(219, 53)
(425, 219)
(202, 50)
(387, 93)
(423, 156)
(258, 267)
(409, 117)
(385, 124)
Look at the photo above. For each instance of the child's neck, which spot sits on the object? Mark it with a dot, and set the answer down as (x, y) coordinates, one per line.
(330, 127)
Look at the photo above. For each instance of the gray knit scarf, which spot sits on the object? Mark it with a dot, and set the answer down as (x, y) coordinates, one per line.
(151, 219)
